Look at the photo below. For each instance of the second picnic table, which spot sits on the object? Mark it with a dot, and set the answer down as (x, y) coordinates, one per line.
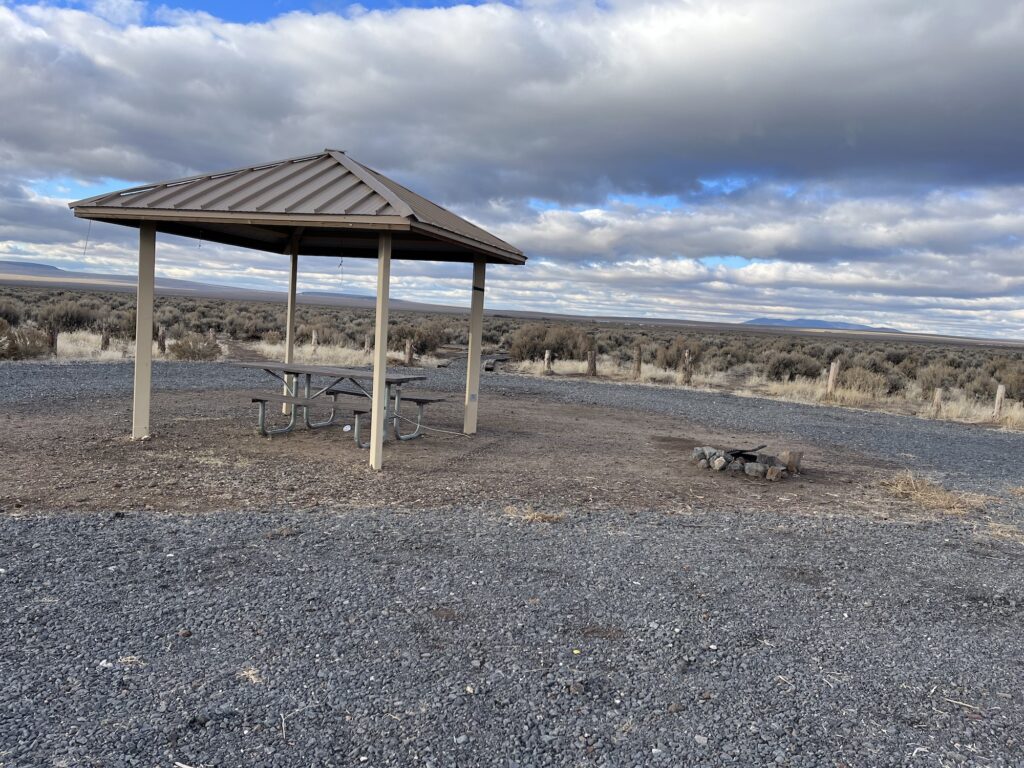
(289, 375)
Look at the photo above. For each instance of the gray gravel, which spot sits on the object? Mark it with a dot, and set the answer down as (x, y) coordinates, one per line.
(962, 456)
(450, 638)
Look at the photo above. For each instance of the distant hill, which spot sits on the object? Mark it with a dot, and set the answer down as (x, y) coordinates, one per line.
(33, 275)
(826, 325)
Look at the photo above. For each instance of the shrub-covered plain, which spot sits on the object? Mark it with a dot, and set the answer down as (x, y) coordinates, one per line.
(873, 369)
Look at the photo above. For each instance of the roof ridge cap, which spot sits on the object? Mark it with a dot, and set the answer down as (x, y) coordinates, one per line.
(366, 176)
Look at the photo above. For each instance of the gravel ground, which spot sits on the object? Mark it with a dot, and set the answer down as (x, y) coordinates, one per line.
(715, 622)
(967, 457)
(385, 639)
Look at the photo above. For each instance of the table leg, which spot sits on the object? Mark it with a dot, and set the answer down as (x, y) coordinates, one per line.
(398, 410)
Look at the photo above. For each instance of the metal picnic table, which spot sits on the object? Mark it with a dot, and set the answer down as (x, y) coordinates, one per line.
(290, 373)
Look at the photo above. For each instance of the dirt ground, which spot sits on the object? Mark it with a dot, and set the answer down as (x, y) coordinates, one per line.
(530, 455)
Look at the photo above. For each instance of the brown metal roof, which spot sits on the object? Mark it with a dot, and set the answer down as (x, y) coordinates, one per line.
(330, 203)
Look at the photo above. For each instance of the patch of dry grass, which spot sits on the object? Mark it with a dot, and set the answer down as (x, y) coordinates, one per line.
(527, 514)
(85, 345)
(607, 368)
(957, 407)
(928, 495)
(1004, 532)
(250, 674)
(334, 354)
(1017, 490)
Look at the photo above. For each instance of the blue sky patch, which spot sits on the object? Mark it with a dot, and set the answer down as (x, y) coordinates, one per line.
(65, 188)
(731, 262)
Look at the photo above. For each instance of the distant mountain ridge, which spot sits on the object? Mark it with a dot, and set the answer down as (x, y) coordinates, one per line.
(826, 325)
(33, 274)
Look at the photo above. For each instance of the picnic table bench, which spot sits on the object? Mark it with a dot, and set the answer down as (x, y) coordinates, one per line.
(327, 396)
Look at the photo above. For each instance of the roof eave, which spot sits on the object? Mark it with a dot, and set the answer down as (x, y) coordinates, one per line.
(131, 215)
(510, 256)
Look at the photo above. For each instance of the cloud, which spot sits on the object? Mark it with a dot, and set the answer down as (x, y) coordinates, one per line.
(861, 159)
(566, 103)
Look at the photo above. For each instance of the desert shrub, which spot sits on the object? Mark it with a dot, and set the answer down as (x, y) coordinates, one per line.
(6, 340)
(166, 315)
(23, 342)
(864, 380)
(564, 341)
(194, 346)
(786, 366)
(1013, 380)
(939, 374)
(527, 343)
(672, 355)
(66, 316)
(426, 336)
(977, 383)
(273, 337)
(11, 311)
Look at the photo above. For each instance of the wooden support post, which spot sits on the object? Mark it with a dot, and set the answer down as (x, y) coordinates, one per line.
(1000, 398)
(380, 352)
(105, 338)
(833, 376)
(368, 344)
(592, 363)
(937, 401)
(638, 361)
(144, 332)
(476, 333)
(408, 353)
(289, 336)
(548, 366)
(161, 340)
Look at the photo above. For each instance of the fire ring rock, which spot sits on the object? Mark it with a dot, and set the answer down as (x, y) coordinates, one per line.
(755, 469)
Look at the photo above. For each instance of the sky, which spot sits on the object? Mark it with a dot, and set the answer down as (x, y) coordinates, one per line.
(855, 160)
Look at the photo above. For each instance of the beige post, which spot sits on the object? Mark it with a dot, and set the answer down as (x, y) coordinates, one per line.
(592, 362)
(833, 375)
(144, 331)
(289, 339)
(937, 401)
(476, 332)
(380, 352)
(638, 361)
(1000, 397)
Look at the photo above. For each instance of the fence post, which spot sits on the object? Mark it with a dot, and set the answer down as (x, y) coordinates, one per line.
(367, 344)
(638, 359)
(1000, 397)
(104, 339)
(686, 367)
(408, 353)
(547, 362)
(161, 340)
(314, 339)
(937, 401)
(592, 363)
(833, 376)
